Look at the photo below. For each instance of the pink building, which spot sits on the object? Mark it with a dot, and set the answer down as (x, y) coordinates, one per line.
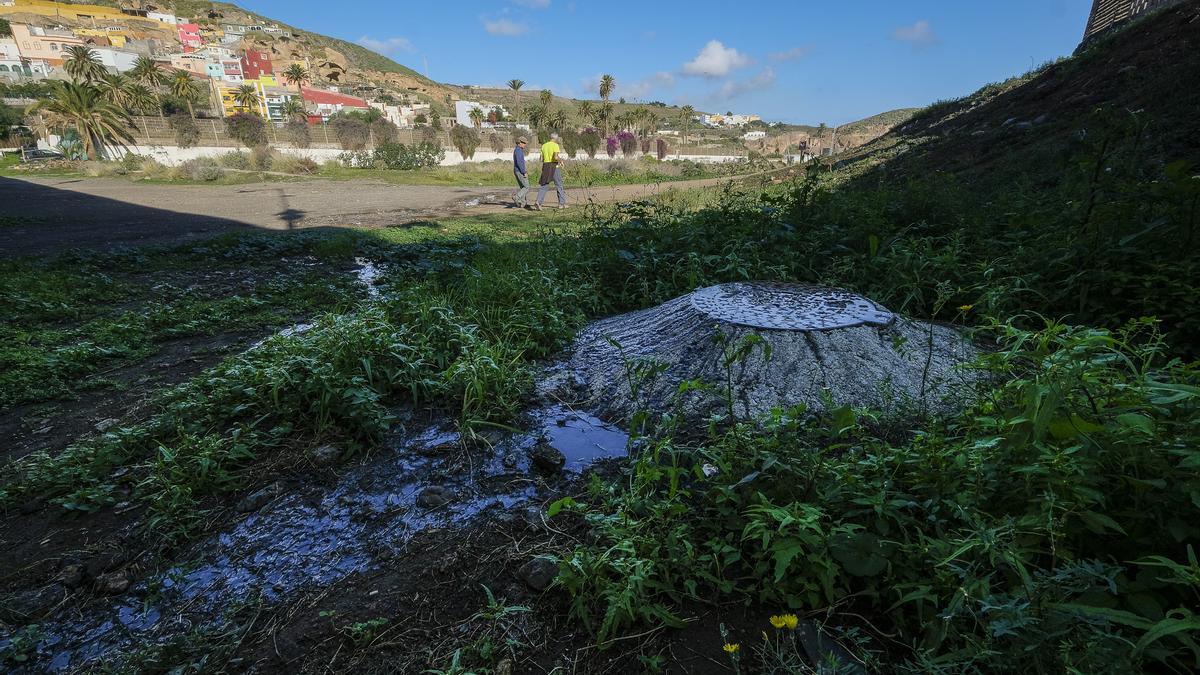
(189, 36)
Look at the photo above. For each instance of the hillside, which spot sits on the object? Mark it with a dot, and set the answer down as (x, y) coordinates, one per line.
(1021, 129)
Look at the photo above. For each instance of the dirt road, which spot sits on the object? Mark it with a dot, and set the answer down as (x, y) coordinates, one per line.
(43, 215)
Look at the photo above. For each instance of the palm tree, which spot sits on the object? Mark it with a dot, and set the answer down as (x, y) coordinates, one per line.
(298, 75)
(293, 109)
(83, 64)
(546, 96)
(686, 116)
(115, 89)
(146, 73)
(98, 121)
(587, 111)
(184, 87)
(536, 115)
(246, 97)
(476, 116)
(516, 85)
(559, 120)
(607, 84)
(604, 115)
(141, 98)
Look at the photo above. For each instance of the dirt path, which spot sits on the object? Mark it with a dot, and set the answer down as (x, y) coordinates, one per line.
(44, 215)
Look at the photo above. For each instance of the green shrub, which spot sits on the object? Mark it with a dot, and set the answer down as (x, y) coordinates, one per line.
(407, 158)
(187, 134)
(465, 140)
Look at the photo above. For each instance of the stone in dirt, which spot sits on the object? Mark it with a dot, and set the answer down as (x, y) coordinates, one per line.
(325, 456)
(72, 576)
(112, 583)
(104, 425)
(434, 496)
(259, 498)
(827, 346)
(539, 572)
(547, 458)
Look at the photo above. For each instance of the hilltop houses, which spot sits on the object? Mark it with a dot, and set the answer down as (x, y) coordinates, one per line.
(225, 56)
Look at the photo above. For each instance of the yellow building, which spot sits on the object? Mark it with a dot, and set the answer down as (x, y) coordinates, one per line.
(74, 12)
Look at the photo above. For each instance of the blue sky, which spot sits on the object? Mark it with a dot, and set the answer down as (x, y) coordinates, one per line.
(797, 61)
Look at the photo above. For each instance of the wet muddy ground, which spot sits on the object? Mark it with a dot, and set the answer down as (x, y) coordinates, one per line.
(433, 546)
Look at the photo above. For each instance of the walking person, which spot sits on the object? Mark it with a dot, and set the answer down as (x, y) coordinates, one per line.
(551, 171)
(522, 175)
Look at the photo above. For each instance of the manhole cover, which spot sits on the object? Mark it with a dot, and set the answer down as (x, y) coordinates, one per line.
(788, 306)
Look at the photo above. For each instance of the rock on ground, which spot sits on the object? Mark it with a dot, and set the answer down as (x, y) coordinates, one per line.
(902, 366)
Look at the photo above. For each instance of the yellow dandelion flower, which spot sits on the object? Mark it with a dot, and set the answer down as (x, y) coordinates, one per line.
(790, 621)
(731, 648)
(778, 621)
(966, 308)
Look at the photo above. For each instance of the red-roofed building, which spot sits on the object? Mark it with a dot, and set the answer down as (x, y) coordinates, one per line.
(328, 102)
(189, 36)
(255, 64)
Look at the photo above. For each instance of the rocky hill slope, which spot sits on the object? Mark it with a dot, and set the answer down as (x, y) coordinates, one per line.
(1143, 75)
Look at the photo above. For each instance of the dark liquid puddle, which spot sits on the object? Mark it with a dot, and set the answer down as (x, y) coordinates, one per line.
(311, 539)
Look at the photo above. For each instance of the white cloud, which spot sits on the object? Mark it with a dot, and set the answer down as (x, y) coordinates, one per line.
(716, 60)
(920, 34)
(535, 4)
(387, 45)
(642, 89)
(791, 54)
(505, 27)
(733, 89)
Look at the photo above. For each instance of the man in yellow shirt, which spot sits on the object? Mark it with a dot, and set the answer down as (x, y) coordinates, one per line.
(552, 158)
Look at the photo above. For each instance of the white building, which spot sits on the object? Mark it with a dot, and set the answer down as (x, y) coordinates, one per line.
(754, 135)
(162, 17)
(462, 112)
(120, 60)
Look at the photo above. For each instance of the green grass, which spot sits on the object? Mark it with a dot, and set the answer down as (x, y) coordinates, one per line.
(66, 322)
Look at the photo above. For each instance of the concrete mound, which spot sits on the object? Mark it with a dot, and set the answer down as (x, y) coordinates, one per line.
(826, 346)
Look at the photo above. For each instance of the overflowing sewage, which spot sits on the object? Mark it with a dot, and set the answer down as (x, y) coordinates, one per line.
(310, 537)
(367, 274)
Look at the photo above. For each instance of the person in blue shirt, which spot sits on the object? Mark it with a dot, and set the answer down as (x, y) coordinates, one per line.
(519, 171)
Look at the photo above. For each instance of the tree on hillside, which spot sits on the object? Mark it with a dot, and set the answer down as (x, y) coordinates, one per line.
(465, 139)
(298, 76)
(559, 120)
(82, 63)
(536, 115)
(587, 111)
(292, 109)
(246, 97)
(115, 89)
(5, 28)
(146, 73)
(186, 131)
(686, 117)
(607, 84)
(142, 99)
(352, 133)
(516, 85)
(184, 87)
(477, 117)
(98, 121)
(247, 129)
(546, 97)
(604, 116)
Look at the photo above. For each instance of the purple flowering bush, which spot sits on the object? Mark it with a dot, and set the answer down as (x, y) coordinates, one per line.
(662, 149)
(629, 143)
(611, 145)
